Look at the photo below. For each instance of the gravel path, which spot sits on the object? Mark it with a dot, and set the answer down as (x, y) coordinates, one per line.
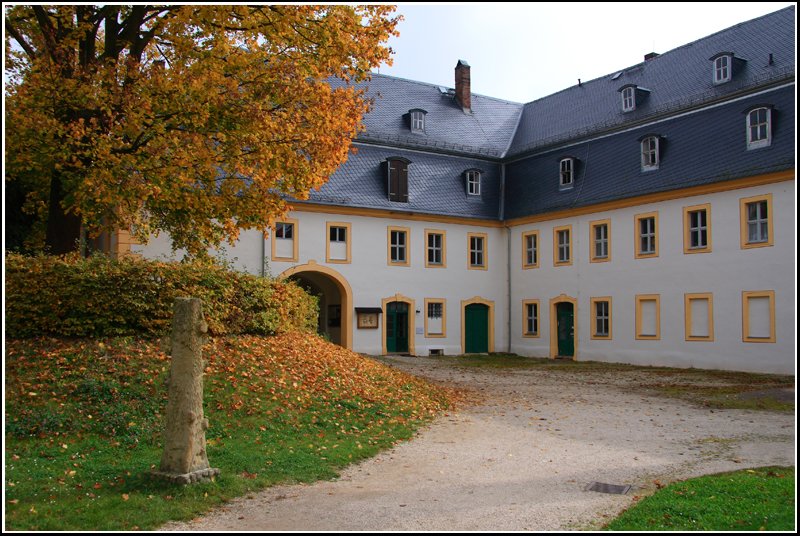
(522, 458)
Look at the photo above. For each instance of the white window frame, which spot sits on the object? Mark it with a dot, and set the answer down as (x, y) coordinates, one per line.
(629, 99)
(530, 249)
(477, 251)
(763, 128)
(647, 236)
(442, 306)
(562, 245)
(601, 318)
(474, 182)
(698, 229)
(530, 319)
(723, 69)
(417, 121)
(600, 244)
(398, 249)
(757, 221)
(435, 249)
(762, 223)
(566, 173)
(650, 157)
(284, 230)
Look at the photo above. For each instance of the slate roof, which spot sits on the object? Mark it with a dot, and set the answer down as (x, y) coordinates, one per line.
(436, 184)
(485, 132)
(698, 148)
(677, 79)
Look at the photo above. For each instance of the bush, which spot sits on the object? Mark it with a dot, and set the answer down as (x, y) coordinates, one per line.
(99, 296)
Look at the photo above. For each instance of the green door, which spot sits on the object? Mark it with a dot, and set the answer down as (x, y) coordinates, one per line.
(396, 327)
(476, 328)
(565, 329)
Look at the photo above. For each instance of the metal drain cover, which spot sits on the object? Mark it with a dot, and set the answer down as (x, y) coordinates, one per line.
(608, 488)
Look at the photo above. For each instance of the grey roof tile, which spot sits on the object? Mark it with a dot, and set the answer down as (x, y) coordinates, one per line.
(436, 184)
(585, 122)
(677, 79)
(486, 132)
(701, 148)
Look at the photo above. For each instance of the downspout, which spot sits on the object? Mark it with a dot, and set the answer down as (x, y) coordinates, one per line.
(263, 254)
(508, 255)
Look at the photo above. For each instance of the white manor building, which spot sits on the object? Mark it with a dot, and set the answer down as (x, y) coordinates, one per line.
(645, 217)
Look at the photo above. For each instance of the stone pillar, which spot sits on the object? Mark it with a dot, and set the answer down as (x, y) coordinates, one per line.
(184, 460)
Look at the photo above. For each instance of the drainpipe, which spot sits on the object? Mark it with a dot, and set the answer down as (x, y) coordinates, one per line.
(508, 255)
(263, 254)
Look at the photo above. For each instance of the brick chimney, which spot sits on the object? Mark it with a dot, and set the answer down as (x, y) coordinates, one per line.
(463, 92)
(651, 56)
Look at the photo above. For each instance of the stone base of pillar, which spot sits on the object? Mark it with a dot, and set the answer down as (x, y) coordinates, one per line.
(187, 478)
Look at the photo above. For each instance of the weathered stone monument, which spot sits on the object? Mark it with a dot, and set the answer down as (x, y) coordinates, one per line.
(184, 460)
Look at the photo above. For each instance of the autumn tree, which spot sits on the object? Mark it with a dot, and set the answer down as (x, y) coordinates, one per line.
(194, 120)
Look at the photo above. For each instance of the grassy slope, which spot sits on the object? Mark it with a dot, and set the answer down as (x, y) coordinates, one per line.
(84, 418)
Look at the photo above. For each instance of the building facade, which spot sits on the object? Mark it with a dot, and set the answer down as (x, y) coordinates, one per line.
(645, 217)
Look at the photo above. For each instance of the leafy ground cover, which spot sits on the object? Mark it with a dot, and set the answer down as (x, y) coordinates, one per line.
(710, 388)
(748, 500)
(84, 418)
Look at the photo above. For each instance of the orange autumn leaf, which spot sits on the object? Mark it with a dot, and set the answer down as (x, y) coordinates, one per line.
(197, 120)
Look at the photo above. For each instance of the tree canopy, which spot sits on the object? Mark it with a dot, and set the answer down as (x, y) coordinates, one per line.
(197, 120)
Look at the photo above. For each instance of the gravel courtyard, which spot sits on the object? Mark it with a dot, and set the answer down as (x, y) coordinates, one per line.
(522, 455)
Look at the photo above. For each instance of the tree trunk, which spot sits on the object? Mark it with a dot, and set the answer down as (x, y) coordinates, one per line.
(63, 230)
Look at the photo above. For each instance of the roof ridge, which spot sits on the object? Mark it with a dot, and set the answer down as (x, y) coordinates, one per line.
(430, 84)
(685, 45)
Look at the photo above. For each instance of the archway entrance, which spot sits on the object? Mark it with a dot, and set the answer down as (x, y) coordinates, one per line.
(335, 300)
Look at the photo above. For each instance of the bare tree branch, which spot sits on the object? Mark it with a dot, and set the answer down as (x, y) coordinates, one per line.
(29, 50)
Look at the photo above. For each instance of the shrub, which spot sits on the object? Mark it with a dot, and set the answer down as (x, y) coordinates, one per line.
(98, 296)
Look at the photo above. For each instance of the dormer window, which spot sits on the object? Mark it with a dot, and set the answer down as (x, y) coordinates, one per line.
(632, 96)
(566, 173)
(650, 154)
(473, 182)
(722, 69)
(628, 99)
(759, 127)
(397, 179)
(417, 120)
(725, 66)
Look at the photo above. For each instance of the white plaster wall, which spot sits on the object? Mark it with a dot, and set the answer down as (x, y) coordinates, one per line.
(725, 272)
(245, 255)
(372, 279)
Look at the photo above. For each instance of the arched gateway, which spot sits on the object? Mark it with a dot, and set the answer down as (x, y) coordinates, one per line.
(335, 300)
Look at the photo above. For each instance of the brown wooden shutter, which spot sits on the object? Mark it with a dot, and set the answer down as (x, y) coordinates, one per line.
(397, 180)
(402, 183)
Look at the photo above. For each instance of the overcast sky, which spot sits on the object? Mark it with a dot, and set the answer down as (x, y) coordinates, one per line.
(524, 51)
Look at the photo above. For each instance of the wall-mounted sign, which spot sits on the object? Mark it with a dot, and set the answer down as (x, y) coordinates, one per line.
(367, 317)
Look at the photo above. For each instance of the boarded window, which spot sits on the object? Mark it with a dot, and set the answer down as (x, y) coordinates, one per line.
(759, 316)
(647, 317)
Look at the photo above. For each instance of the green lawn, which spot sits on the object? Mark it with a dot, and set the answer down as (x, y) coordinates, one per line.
(748, 500)
(84, 419)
